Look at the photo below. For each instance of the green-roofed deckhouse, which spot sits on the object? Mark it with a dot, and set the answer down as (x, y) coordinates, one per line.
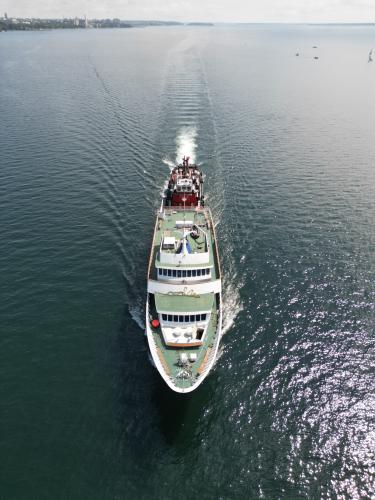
(183, 308)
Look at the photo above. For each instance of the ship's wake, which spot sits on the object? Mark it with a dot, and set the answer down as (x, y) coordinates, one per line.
(137, 312)
(167, 161)
(232, 303)
(231, 306)
(186, 143)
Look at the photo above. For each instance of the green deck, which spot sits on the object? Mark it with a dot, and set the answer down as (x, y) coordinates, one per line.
(183, 303)
(167, 227)
(171, 354)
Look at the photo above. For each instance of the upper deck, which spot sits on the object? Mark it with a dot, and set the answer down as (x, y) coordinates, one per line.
(184, 245)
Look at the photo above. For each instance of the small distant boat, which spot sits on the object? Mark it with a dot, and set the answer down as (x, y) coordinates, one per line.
(316, 57)
(297, 54)
(370, 55)
(315, 47)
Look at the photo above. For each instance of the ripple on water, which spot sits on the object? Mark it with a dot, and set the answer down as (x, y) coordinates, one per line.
(87, 141)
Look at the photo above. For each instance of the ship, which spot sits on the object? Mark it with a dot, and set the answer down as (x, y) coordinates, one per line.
(184, 305)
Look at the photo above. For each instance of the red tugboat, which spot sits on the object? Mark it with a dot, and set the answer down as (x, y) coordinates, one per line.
(185, 186)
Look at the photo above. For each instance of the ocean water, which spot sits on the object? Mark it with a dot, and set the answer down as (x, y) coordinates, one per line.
(90, 122)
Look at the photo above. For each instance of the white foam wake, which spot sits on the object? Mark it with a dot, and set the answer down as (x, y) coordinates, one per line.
(232, 304)
(169, 163)
(137, 312)
(186, 144)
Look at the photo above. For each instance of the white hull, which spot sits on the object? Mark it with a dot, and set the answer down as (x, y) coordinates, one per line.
(167, 378)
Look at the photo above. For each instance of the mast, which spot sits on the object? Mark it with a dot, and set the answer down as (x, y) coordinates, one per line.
(185, 163)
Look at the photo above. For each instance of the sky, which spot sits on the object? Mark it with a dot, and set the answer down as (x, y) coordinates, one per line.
(198, 10)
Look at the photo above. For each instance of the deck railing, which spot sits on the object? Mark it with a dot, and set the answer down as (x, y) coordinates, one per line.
(184, 209)
(213, 352)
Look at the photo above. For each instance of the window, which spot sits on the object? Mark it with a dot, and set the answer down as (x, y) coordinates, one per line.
(194, 273)
(192, 318)
(203, 272)
(203, 317)
(164, 316)
(198, 317)
(170, 318)
(175, 318)
(198, 272)
(184, 274)
(174, 273)
(186, 319)
(189, 273)
(165, 272)
(169, 272)
(207, 271)
(180, 319)
(179, 273)
(160, 271)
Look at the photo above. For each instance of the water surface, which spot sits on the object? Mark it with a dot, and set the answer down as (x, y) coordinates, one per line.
(90, 122)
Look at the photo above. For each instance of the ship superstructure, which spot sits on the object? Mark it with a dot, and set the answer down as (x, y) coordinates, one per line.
(185, 185)
(183, 309)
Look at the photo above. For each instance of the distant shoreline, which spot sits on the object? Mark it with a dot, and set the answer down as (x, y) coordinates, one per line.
(34, 24)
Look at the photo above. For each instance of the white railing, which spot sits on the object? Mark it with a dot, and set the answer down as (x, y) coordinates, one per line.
(155, 286)
(210, 359)
(185, 209)
(213, 353)
(154, 344)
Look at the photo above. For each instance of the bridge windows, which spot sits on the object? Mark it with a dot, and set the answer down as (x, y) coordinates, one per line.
(184, 318)
(184, 273)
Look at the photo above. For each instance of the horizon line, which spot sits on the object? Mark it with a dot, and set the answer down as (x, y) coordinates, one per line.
(194, 21)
